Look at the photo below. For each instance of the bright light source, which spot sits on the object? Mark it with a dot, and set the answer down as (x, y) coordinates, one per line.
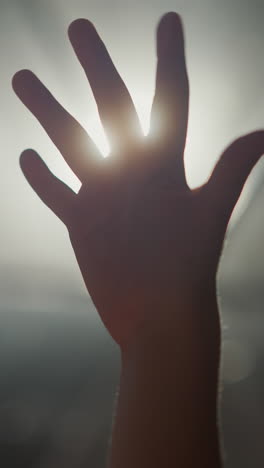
(60, 168)
(143, 114)
(142, 102)
(96, 132)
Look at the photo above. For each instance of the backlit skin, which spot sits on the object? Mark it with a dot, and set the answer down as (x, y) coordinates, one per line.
(144, 240)
(147, 245)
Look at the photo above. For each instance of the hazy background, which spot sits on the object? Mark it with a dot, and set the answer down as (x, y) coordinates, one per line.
(58, 367)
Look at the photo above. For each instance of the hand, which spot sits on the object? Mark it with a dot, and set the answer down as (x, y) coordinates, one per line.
(145, 242)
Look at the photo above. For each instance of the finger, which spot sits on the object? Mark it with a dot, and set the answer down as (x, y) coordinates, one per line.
(52, 191)
(232, 170)
(115, 106)
(66, 133)
(169, 115)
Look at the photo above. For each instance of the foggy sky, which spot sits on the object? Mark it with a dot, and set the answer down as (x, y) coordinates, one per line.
(52, 342)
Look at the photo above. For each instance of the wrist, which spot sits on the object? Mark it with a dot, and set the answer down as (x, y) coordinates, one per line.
(189, 326)
(173, 379)
(167, 406)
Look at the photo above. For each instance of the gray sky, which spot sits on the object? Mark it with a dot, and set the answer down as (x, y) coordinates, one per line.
(41, 287)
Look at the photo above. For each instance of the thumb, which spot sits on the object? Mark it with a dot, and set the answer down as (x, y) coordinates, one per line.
(232, 170)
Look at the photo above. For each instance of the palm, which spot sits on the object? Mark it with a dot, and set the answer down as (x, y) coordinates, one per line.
(132, 243)
(144, 241)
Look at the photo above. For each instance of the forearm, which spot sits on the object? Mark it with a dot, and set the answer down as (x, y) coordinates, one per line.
(167, 406)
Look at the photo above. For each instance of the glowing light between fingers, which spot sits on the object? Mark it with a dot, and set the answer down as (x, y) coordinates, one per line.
(60, 168)
(144, 118)
(142, 102)
(98, 136)
(96, 132)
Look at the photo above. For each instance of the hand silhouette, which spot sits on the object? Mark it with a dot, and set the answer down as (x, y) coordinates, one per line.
(145, 242)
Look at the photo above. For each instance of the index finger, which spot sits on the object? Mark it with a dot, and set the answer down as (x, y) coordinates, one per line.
(115, 105)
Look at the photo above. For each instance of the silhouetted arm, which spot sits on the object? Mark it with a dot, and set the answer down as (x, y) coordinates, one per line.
(147, 245)
(167, 407)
